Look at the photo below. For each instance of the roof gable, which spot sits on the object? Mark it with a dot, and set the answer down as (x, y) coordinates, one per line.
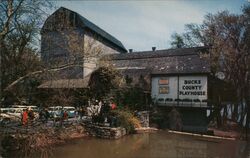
(80, 21)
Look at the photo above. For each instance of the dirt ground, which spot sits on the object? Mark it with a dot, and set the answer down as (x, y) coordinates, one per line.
(230, 130)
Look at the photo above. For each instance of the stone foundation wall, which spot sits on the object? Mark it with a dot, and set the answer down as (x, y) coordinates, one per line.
(105, 132)
(143, 116)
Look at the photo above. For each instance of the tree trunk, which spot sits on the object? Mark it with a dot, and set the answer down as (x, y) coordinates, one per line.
(247, 124)
(248, 117)
(224, 117)
(218, 117)
(242, 114)
(231, 110)
(235, 112)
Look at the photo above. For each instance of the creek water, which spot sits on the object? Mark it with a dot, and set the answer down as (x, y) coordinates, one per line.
(152, 145)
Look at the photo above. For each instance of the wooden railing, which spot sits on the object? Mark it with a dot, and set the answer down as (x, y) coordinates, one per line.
(181, 102)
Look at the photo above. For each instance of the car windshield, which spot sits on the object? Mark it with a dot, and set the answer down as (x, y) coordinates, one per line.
(4, 110)
(12, 111)
(55, 108)
(70, 109)
(18, 110)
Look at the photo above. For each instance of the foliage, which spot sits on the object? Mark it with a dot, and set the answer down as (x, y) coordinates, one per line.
(61, 98)
(133, 98)
(228, 37)
(39, 140)
(19, 29)
(103, 80)
(127, 120)
(177, 41)
(132, 95)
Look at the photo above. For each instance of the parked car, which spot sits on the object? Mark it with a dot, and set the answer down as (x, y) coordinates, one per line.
(32, 107)
(55, 111)
(17, 112)
(9, 114)
(4, 110)
(20, 108)
(70, 110)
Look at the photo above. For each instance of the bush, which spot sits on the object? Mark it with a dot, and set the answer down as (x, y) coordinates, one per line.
(126, 119)
(132, 98)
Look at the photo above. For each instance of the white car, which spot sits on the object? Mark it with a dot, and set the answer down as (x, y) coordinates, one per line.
(32, 107)
(20, 108)
(17, 112)
(10, 114)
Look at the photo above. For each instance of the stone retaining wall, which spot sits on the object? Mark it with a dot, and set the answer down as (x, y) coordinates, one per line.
(143, 117)
(105, 132)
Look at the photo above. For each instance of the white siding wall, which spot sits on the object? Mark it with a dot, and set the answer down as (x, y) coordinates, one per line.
(94, 50)
(173, 87)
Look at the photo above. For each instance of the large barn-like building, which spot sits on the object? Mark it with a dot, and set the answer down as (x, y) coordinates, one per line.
(174, 77)
(68, 37)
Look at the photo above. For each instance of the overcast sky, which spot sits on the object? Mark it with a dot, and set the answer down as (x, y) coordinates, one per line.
(141, 25)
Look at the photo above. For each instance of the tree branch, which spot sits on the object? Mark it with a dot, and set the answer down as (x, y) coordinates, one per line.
(40, 72)
(10, 13)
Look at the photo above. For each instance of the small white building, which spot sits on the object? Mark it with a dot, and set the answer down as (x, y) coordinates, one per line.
(180, 90)
(176, 78)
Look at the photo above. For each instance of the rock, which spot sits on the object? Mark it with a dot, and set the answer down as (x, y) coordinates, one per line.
(143, 116)
(105, 132)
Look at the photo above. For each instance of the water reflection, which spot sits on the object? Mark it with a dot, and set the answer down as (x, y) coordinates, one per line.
(160, 145)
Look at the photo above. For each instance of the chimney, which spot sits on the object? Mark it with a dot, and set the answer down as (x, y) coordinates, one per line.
(130, 50)
(153, 48)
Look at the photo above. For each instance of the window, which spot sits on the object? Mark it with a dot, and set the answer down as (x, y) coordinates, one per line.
(163, 90)
(163, 81)
(163, 85)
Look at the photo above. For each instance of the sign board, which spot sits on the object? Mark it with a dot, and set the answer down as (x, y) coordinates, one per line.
(193, 87)
(182, 87)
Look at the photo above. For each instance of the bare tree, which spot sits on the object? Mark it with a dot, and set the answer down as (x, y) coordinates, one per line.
(20, 22)
(81, 53)
(228, 37)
